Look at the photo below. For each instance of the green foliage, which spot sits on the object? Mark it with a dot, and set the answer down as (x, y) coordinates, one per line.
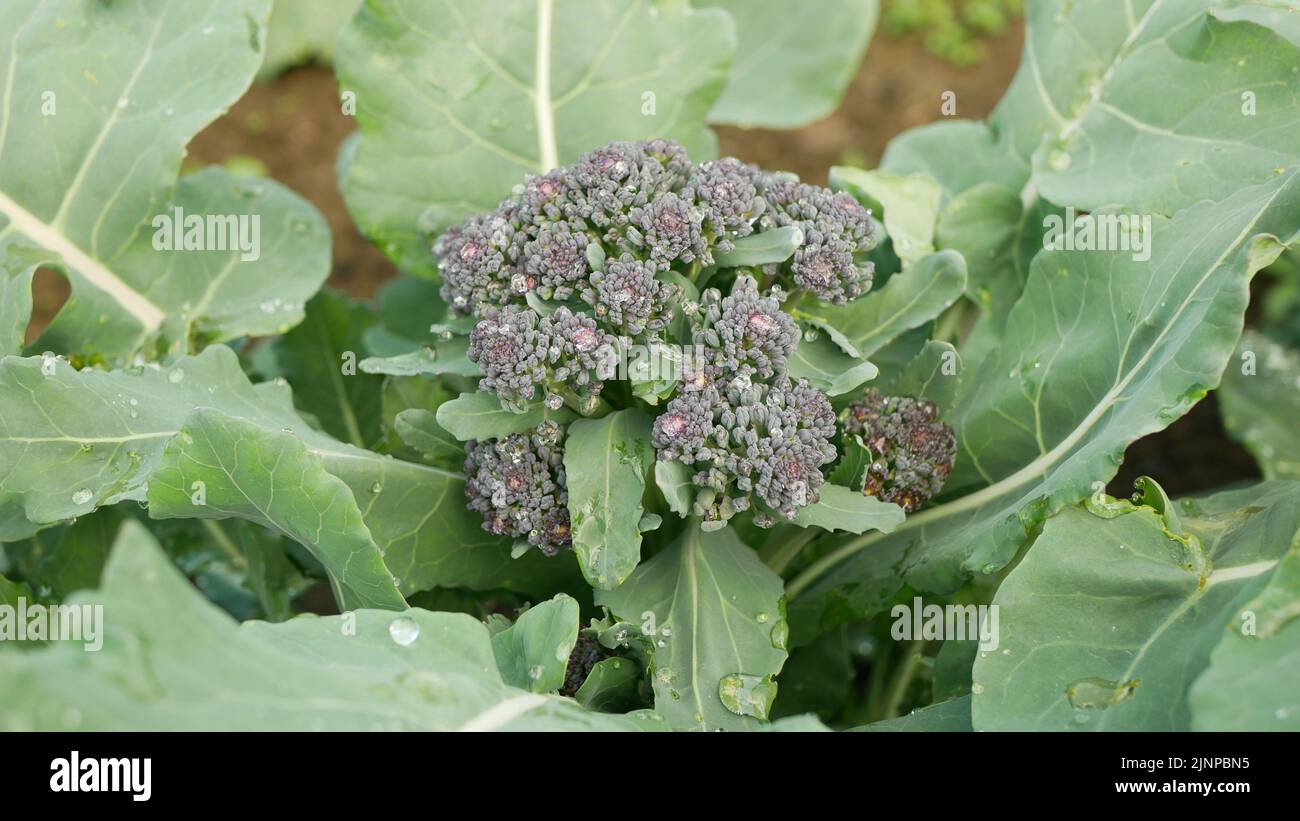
(952, 29)
(792, 65)
(413, 671)
(208, 435)
(1108, 621)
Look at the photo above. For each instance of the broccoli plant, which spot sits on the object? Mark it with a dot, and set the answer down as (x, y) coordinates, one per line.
(641, 437)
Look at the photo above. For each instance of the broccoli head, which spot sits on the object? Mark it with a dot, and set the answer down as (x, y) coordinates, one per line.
(911, 451)
(648, 201)
(517, 484)
(587, 653)
(836, 230)
(750, 445)
(745, 333)
(627, 296)
(519, 351)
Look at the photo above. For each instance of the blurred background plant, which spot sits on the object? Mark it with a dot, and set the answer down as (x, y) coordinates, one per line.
(955, 30)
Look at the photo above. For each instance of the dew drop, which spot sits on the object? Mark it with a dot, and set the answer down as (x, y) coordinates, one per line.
(1099, 693)
(747, 695)
(404, 630)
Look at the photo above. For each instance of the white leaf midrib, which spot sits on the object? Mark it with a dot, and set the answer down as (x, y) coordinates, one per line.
(548, 154)
(93, 271)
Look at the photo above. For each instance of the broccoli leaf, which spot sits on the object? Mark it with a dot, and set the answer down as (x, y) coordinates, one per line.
(319, 359)
(1260, 402)
(479, 415)
(420, 430)
(219, 467)
(11, 592)
(71, 441)
(457, 101)
(533, 653)
(1250, 681)
(827, 367)
(196, 669)
(612, 686)
(934, 374)
(840, 508)
(89, 156)
(713, 621)
(446, 356)
(67, 558)
(1231, 115)
(605, 463)
(1051, 412)
(1090, 120)
(301, 31)
(409, 307)
(17, 265)
(1107, 621)
(675, 482)
(793, 63)
(419, 393)
(952, 716)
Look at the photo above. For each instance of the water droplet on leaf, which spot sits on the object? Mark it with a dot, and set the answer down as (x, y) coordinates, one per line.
(404, 630)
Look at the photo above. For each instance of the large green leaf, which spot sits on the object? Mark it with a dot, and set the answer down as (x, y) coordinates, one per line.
(1231, 115)
(1100, 351)
(71, 441)
(793, 62)
(98, 103)
(1250, 683)
(172, 661)
(713, 624)
(1090, 120)
(1260, 403)
(220, 467)
(458, 101)
(1108, 619)
(605, 463)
